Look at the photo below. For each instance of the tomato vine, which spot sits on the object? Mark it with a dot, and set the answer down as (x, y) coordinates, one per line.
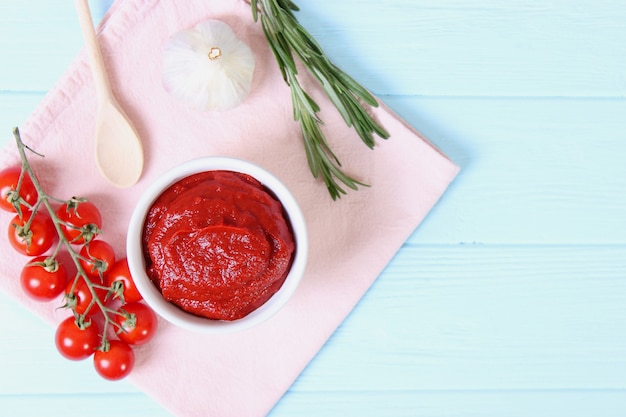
(53, 227)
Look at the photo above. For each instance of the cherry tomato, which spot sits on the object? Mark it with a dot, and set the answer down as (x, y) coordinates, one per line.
(37, 238)
(84, 297)
(138, 323)
(120, 272)
(43, 278)
(115, 363)
(8, 182)
(76, 344)
(97, 257)
(81, 220)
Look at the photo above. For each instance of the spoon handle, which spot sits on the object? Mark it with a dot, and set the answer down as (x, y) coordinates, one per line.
(103, 87)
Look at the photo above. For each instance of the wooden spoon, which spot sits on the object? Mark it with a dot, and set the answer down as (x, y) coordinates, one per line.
(119, 153)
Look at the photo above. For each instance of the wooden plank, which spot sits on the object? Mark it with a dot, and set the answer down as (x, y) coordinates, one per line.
(15, 109)
(406, 47)
(469, 48)
(367, 404)
(484, 318)
(473, 403)
(101, 405)
(447, 318)
(38, 40)
(532, 170)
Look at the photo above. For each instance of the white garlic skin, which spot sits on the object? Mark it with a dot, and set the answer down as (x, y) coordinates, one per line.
(193, 71)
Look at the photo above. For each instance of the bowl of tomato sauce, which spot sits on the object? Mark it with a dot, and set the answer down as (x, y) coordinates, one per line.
(217, 244)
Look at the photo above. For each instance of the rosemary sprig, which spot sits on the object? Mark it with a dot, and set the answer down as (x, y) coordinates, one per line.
(289, 41)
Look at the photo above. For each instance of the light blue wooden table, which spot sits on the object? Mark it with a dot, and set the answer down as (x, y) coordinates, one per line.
(510, 299)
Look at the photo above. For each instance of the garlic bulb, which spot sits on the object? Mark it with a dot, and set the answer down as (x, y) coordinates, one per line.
(208, 66)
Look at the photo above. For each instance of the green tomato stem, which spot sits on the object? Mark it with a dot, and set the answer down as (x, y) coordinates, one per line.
(44, 199)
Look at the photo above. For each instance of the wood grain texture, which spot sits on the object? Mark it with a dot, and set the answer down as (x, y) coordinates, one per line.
(467, 48)
(403, 47)
(534, 170)
(509, 300)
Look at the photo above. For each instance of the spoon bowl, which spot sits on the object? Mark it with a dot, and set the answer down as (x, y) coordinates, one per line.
(118, 148)
(119, 154)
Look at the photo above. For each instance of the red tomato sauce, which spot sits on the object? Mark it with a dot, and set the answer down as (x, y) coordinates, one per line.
(217, 244)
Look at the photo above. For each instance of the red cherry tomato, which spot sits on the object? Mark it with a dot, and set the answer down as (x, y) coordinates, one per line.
(138, 323)
(81, 221)
(120, 272)
(84, 297)
(116, 363)
(43, 278)
(97, 257)
(37, 238)
(76, 344)
(8, 182)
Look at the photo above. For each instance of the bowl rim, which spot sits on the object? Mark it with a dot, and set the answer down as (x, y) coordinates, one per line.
(170, 312)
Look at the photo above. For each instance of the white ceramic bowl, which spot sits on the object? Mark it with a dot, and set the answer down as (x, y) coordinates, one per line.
(171, 312)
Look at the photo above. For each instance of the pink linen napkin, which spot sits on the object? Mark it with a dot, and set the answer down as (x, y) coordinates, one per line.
(351, 240)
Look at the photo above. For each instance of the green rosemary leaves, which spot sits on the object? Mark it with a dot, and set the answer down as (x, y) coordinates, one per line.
(289, 41)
